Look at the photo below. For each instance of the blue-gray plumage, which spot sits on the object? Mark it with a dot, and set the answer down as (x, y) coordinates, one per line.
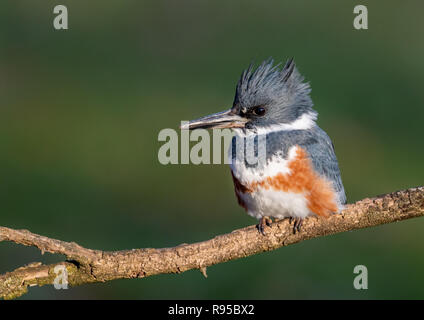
(272, 108)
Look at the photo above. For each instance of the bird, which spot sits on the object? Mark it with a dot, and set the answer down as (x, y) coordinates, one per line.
(299, 176)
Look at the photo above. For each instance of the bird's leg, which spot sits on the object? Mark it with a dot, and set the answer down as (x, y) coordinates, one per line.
(297, 224)
(263, 223)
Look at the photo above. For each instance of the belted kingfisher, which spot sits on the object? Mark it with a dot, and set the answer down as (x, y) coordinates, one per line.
(300, 176)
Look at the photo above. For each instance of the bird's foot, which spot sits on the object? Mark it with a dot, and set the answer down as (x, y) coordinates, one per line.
(263, 223)
(297, 224)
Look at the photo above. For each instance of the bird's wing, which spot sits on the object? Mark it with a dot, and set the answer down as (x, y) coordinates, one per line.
(321, 151)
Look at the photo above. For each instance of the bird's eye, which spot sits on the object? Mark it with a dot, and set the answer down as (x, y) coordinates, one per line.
(259, 111)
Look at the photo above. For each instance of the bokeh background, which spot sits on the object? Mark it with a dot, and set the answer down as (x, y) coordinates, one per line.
(81, 109)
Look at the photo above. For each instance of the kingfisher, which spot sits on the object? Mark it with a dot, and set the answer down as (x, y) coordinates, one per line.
(299, 175)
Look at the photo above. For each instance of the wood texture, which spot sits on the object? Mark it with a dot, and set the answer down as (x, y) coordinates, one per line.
(88, 266)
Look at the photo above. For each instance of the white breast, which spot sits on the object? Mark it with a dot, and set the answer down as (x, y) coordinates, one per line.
(277, 164)
(278, 204)
(267, 201)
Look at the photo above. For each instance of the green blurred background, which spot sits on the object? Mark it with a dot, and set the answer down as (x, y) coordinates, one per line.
(81, 109)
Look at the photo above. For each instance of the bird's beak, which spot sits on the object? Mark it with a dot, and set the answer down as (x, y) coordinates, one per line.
(224, 119)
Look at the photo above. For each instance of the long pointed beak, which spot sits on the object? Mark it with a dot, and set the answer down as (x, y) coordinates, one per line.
(224, 119)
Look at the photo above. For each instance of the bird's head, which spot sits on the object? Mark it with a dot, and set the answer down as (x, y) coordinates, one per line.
(267, 97)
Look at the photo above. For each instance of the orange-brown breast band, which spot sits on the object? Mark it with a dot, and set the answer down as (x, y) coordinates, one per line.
(319, 192)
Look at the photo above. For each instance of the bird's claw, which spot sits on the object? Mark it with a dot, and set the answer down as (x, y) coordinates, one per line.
(263, 223)
(297, 224)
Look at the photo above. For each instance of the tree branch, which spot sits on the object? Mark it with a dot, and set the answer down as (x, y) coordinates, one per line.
(88, 266)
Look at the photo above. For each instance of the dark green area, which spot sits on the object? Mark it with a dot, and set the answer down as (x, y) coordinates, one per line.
(80, 112)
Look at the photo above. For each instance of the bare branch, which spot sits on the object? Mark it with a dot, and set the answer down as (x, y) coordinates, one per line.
(87, 266)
